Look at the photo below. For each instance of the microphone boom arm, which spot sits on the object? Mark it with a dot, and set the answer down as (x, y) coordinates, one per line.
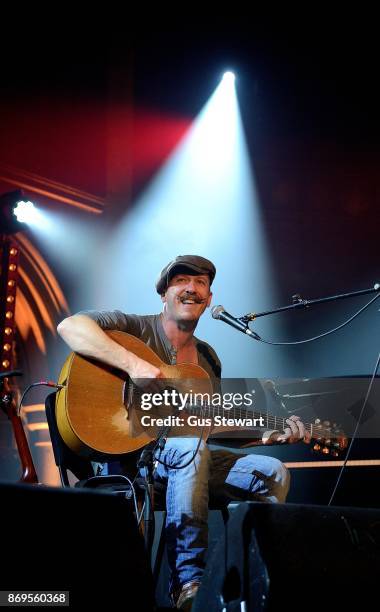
(298, 302)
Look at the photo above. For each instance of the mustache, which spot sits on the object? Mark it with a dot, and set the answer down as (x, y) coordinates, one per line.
(192, 296)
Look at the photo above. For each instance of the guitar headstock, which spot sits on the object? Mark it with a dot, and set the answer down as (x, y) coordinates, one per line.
(329, 438)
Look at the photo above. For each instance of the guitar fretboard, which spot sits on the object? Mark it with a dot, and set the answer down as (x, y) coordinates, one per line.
(240, 413)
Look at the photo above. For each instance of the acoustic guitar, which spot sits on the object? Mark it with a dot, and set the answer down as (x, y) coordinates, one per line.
(100, 412)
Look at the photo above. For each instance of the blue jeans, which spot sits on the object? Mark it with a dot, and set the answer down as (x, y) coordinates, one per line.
(218, 476)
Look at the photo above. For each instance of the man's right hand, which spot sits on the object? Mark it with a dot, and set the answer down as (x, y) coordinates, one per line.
(144, 374)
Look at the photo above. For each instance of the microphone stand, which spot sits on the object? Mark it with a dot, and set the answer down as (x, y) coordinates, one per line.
(298, 303)
(146, 466)
(145, 463)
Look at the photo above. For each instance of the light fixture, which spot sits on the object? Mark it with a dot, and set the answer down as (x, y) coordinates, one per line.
(24, 211)
(229, 77)
(9, 204)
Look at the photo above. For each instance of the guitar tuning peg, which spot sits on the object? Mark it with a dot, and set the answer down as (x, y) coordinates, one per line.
(317, 421)
(325, 450)
(317, 447)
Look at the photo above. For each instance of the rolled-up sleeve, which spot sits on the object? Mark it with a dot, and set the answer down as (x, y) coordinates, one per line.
(114, 319)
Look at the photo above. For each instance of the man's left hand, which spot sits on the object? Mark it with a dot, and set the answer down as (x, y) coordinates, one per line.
(295, 432)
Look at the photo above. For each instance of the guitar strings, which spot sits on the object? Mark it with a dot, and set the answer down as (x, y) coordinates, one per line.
(321, 430)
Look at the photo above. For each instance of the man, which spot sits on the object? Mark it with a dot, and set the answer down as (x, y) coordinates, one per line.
(184, 286)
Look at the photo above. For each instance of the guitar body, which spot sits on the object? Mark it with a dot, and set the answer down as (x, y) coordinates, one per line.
(98, 410)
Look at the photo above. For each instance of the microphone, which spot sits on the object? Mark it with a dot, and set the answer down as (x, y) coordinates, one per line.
(218, 312)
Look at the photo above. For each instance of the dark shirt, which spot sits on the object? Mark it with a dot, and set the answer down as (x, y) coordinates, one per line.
(150, 330)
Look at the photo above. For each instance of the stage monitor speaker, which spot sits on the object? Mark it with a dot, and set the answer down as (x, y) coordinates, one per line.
(274, 557)
(81, 541)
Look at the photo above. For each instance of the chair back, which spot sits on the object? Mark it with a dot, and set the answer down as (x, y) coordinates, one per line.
(65, 459)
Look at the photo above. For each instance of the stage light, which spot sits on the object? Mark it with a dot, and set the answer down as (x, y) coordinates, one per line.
(8, 205)
(229, 77)
(17, 212)
(25, 212)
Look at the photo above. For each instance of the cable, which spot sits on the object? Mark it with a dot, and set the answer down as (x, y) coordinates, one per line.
(167, 465)
(41, 383)
(176, 466)
(50, 383)
(356, 429)
(139, 517)
(320, 335)
(133, 494)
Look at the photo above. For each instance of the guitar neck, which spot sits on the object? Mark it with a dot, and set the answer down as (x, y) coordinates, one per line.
(269, 421)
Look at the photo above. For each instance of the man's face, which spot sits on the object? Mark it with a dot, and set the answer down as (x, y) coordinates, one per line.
(187, 297)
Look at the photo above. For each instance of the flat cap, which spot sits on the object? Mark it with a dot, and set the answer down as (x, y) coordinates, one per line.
(181, 263)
